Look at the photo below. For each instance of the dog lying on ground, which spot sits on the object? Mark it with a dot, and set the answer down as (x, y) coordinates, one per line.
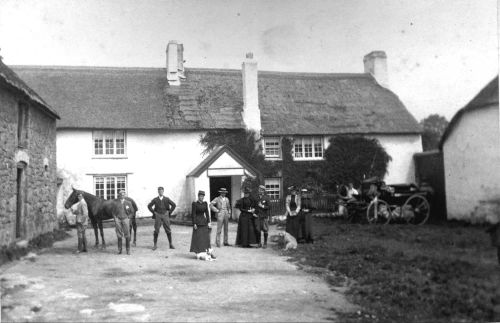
(285, 240)
(207, 255)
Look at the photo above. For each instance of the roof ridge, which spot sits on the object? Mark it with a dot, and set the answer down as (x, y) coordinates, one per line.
(264, 73)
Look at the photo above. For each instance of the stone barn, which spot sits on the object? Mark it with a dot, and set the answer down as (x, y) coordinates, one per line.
(27, 161)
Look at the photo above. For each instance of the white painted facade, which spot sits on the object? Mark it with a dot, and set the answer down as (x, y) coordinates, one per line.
(153, 158)
(471, 156)
(401, 148)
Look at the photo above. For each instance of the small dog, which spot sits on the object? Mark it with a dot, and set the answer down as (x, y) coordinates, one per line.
(288, 240)
(207, 255)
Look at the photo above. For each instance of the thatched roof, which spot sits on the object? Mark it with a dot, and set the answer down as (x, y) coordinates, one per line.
(290, 103)
(488, 96)
(10, 79)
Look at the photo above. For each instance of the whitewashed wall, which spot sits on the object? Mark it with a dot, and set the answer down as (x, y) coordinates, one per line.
(471, 156)
(154, 158)
(401, 148)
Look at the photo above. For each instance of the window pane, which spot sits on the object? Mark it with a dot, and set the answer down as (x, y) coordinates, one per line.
(121, 183)
(273, 188)
(272, 147)
(297, 148)
(307, 147)
(318, 147)
(99, 186)
(109, 145)
(98, 149)
(110, 188)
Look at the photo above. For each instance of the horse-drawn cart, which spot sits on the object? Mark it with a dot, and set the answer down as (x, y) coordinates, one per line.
(381, 203)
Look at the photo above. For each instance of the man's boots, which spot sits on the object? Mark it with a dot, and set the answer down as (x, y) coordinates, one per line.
(169, 236)
(135, 237)
(127, 245)
(119, 246)
(155, 240)
(265, 240)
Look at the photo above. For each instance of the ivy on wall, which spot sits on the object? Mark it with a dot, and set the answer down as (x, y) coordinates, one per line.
(347, 159)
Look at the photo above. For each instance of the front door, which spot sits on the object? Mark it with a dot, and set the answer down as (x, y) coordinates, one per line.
(217, 183)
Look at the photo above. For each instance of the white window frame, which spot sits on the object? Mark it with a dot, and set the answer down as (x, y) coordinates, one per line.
(273, 140)
(301, 142)
(105, 180)
(113, 136)
(273, 181)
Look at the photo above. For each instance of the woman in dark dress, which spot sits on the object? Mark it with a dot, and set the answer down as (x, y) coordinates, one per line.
(305, 218)
(246, 235)
(200, 241)
(292, 203)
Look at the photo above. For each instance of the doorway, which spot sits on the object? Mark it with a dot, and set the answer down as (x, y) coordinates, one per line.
(217, 183)
(19, 198)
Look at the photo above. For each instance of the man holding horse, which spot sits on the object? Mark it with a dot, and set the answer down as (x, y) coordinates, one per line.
(161, 206)
(122, 222)
(82, 218)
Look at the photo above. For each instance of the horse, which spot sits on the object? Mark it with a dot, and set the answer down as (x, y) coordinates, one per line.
(99, 210)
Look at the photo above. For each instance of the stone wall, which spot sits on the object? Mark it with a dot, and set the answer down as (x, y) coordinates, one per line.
(40, 173)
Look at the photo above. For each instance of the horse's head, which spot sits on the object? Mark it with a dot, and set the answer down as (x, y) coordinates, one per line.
(72, 199)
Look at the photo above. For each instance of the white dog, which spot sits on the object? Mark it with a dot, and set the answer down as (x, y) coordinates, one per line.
(206, 255)
(289, 241)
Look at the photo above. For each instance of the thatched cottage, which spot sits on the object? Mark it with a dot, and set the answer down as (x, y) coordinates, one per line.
(138, 128)
(471, 155)
(28, 187)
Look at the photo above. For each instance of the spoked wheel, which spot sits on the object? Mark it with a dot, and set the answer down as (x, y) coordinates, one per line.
(378, 211)
(416, 209)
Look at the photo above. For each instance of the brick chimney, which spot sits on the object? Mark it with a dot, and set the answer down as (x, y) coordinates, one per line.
(175, 63)
(376, 64)
(251, 111)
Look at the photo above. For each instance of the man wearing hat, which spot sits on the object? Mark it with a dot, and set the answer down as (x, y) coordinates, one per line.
(222, 206)
(262, 211)
(122, 223)
(161, 206)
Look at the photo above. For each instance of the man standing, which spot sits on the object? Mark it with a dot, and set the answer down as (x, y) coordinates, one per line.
(222, 207)
(161, 206)
(82, 218)
(122, 222)
(262, 222)
(133, 224)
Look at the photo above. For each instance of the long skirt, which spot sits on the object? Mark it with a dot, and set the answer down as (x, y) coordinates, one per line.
(246, 235)
(292, 225)
(305, 222)
(200, 240)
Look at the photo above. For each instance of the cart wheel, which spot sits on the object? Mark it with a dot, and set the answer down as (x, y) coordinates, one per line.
(416, 209)
(378, 211)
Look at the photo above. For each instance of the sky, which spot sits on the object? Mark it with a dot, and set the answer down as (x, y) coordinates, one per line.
(440, 53)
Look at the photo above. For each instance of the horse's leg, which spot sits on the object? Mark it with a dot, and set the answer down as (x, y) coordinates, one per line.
(102, 234)
(94, 225)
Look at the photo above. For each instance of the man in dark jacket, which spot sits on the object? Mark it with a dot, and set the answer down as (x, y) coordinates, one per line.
(161, 206)
(262, 211)
(133, 223)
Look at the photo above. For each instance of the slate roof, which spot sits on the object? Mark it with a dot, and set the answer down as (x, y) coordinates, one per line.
(486, 97)
(11, 79)
(290, 103)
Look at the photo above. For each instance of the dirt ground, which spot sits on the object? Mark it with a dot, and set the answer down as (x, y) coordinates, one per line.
(163, 285)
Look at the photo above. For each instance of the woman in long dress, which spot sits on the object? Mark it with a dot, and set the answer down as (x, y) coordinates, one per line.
(200, 241)
(293, 203)
(246, 235)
